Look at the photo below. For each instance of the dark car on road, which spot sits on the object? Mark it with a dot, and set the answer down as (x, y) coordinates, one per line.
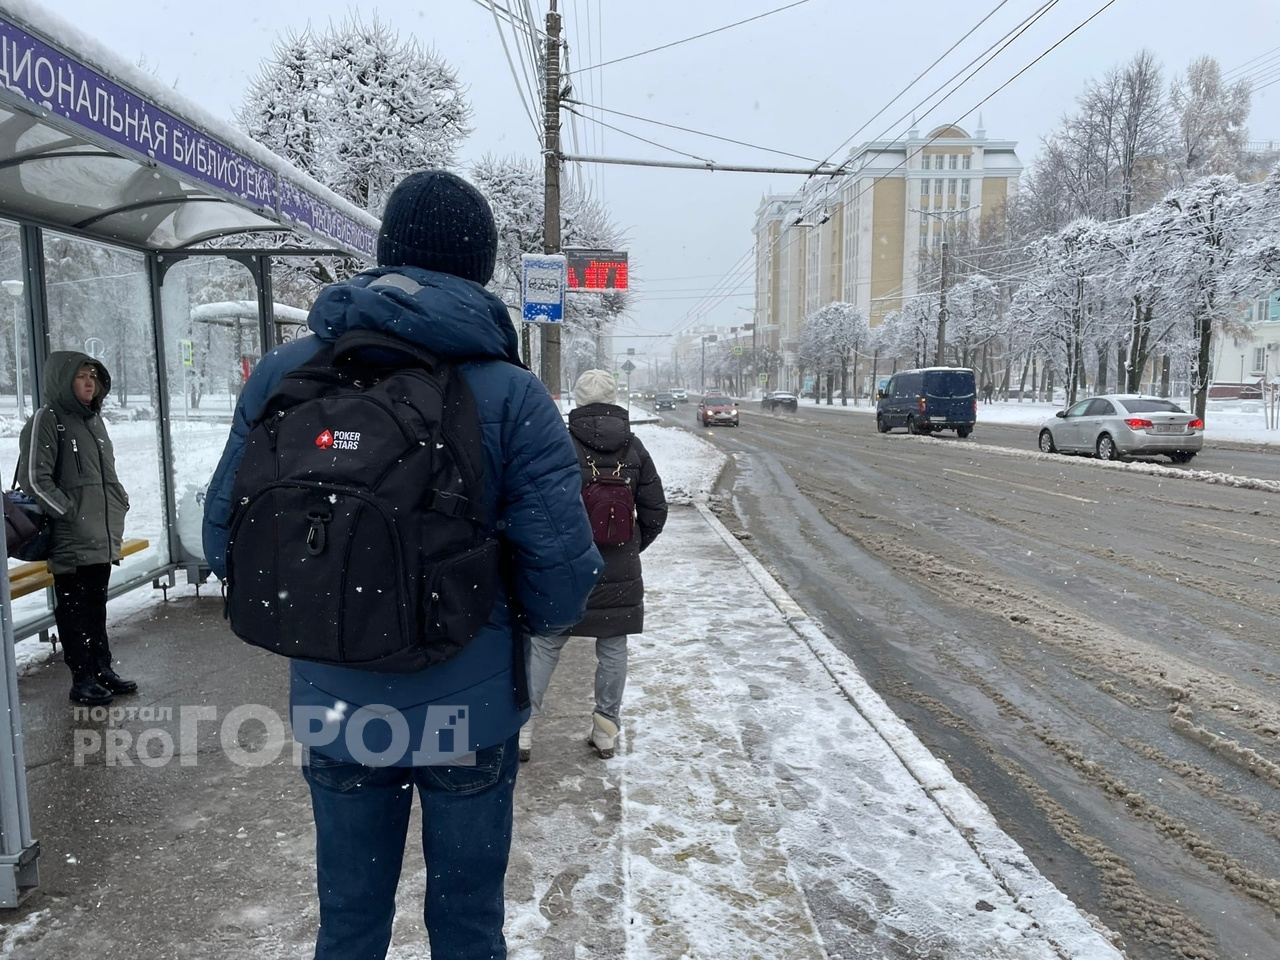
(929, 399)
(664, 401)
(1118, 426)
(775, 399)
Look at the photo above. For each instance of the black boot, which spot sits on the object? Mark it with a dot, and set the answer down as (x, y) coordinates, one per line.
(85, 688)
(115, 683)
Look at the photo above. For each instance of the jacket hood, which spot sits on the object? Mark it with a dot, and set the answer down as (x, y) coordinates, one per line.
(60, 378)
(452, 317)
(600, 426)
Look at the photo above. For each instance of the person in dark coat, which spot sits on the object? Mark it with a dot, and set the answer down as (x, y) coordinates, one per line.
(436, 251)
(66, 464)
(602, 433)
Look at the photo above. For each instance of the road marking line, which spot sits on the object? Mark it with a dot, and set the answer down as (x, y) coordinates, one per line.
(1023, 486)
(1235, 533)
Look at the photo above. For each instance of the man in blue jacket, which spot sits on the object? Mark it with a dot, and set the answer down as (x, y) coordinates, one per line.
(436, 249)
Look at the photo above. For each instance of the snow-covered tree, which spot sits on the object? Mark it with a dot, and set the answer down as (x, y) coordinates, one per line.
(1107, 159)
(1057, 308)
(1211, 118)
(831, 339)
(1197, 238)
(973, 317)
(357, 107)
(514, 187)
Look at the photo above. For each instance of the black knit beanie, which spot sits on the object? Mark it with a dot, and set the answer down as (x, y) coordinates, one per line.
(437, 221)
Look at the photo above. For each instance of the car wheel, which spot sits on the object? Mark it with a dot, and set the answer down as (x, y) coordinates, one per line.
(1182, 456)
(962, 432)
(881, 425)
(1046, 442)
(1107, 448)
(912, 426)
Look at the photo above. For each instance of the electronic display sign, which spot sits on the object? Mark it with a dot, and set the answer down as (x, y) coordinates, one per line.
(595, 271)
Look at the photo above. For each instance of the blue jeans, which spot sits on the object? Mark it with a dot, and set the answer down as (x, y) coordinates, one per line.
(362, 823)
(611, 671)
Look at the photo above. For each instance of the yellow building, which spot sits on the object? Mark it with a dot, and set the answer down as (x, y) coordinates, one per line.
(861, 237)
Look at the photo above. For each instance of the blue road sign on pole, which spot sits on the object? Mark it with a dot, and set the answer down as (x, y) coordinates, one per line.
(543, 281)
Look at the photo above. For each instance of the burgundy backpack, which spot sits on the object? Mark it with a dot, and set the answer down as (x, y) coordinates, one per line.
(610, 503)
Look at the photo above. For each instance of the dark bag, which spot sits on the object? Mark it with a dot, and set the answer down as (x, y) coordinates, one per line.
(610, 503)
(28, 530)
(358, 534)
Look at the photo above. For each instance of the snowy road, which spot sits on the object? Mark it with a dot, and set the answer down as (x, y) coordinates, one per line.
(1090, 647)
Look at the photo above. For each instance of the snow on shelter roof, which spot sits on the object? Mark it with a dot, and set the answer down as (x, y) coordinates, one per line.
(92, 144)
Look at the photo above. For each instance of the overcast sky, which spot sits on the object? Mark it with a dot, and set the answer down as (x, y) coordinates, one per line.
(802, 81)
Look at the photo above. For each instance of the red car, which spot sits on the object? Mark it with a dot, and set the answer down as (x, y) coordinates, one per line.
(716, 408)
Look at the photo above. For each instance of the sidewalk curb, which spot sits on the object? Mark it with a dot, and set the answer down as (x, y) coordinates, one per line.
(1010, 866)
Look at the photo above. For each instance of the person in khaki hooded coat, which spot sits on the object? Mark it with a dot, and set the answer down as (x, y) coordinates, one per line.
(66, 464)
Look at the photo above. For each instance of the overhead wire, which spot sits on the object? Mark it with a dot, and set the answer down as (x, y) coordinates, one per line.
(636, 136)
(918, 77)
(1244, 66)
(598, 78)
(699, 133)
(502, 35)
(691, 317)
(743, 264)
(1008, 38)
(698, 36)
(991, 52)
(531, 65)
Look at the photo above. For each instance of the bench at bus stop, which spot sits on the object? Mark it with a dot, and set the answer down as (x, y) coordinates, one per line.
(27, 578)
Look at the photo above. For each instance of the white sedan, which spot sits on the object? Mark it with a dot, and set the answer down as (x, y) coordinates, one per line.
(1117, 426)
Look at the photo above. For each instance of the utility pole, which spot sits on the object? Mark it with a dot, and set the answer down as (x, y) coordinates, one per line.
(945, 216)
(712, 338)
(942, 310)
(550, 366)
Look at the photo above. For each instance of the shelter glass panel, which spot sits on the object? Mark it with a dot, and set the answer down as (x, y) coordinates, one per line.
(15, 369)
(15, 382)
(99, 303)
(212, 342)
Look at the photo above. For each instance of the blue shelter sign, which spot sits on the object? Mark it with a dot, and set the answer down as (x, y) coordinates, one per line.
(33, 70)
(543, 282)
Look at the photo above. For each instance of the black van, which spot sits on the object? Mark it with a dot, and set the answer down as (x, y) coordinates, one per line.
(934, 398)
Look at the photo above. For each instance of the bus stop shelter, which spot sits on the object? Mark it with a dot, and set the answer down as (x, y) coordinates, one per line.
(124, 212)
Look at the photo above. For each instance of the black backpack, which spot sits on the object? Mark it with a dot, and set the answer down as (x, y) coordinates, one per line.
(358, 534)
(610, 502)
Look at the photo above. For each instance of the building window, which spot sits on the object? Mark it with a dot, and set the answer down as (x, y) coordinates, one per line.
(937, 188)
(1259, 359)
(951, 187)
(951, 161)
(964, 162)
(964, 188)
(937, 161)
(924, 188)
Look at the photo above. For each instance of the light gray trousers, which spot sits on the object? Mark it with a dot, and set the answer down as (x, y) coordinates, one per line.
(611, 671)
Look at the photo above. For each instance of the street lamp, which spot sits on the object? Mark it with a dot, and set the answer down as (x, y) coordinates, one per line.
(15, 289)
(712, 338)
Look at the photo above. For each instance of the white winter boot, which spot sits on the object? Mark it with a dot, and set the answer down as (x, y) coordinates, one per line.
(526, 740)
(604, 735)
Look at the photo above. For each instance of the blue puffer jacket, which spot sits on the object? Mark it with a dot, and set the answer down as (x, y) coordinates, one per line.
(533, 481)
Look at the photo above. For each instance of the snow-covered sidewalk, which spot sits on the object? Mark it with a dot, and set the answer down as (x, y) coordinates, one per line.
(765, 803)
